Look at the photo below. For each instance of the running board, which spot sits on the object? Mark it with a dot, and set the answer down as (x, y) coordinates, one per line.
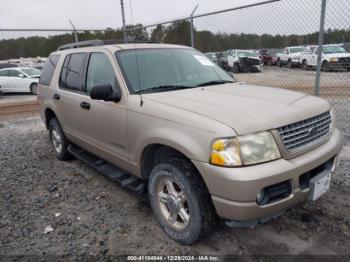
(109, 170)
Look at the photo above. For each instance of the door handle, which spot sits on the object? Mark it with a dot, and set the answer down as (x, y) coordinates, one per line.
(56, 97)
(85, 105)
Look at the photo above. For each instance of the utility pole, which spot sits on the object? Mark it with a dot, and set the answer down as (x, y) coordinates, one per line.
(75, 31)
(192, 26)
(123, 17)
(320, 48)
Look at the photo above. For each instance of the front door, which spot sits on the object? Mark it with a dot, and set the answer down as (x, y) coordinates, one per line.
(105, 123)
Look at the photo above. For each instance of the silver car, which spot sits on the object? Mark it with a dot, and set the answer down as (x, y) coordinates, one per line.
(19, 80)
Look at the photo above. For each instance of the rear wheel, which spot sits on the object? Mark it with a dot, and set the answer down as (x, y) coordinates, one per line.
(180, 201)
(34, 89)
(58, 140)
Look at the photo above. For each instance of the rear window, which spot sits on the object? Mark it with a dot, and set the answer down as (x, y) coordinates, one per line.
(48, 70)
(72, 71)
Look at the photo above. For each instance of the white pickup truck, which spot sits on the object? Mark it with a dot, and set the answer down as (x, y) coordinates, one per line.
(290, 56)
(334, 57)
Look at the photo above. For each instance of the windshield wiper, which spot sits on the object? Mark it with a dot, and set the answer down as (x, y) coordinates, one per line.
(163, 88)
(216, 82)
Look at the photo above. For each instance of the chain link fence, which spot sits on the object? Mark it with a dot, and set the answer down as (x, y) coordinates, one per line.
(283, 34)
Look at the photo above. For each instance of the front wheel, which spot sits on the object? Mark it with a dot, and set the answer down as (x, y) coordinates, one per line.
(326, 67)
(304, 65)
(34, 89)
(180, 201)
(279, 63)
(235, 68)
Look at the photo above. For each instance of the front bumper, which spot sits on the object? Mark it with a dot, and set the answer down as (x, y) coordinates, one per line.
(234, 190)
(339, 65)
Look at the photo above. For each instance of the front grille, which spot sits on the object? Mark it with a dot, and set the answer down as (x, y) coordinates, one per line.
(250, 61)
(344, 61)
(303, 133)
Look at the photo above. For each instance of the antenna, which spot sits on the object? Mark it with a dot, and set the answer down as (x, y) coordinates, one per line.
(75, 31)
(123, 18)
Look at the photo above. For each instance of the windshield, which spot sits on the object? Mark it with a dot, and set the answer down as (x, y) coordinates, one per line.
(333, 49)
(297, 49)
(247, 53)
(31, 71)
(274, 51)
(146, 69)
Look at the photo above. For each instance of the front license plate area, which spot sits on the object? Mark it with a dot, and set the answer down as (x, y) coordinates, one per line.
(320, 185)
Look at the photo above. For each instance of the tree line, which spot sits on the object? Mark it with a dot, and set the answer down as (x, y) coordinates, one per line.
(175, 33)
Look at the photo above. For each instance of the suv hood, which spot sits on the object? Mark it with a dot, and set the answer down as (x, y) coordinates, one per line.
(337, 55)
(245, 108)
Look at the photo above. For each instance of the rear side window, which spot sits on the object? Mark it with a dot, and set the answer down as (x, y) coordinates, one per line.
(72, 71)
(14, 73)
(48, 70)
(3, 72)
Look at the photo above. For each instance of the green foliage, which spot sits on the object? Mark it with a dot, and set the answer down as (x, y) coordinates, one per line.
(175, 33)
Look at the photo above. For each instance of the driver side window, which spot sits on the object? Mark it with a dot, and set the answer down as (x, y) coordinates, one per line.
(100, 72)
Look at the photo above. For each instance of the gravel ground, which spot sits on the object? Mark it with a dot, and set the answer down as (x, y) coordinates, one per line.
(88, 215)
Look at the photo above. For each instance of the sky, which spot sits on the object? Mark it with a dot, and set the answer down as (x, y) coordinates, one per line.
(287, 16)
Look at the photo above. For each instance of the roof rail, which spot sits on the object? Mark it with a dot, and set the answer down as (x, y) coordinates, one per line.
(98, 42)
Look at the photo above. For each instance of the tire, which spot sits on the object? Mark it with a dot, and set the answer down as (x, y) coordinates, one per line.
(279, 64)
(34, 89)
(58, 140)
(304, 65)
(326, 67)
(195, 201)
(235, 68)
(290, 64)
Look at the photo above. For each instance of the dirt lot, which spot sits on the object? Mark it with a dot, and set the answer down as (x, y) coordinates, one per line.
(92, 216)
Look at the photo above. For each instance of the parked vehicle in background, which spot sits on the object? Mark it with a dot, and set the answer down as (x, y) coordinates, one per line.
(7, 65)
(290, 56)
(346, 46)
(213, 57)
(222, 59)
(334, 57)
(19, 80)
(269, 56)
(244, 61)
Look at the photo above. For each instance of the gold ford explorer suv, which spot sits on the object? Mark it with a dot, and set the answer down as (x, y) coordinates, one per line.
(164, 119)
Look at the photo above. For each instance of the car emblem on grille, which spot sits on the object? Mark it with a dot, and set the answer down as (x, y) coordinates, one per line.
(313, 131)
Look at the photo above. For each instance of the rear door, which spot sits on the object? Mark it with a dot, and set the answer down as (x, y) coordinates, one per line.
(69, 93)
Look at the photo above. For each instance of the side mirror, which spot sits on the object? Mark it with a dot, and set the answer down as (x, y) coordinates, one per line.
(21, 76)
(105, 93)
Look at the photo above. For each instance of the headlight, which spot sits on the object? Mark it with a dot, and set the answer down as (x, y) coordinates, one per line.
(334, 59)
(244, 150)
